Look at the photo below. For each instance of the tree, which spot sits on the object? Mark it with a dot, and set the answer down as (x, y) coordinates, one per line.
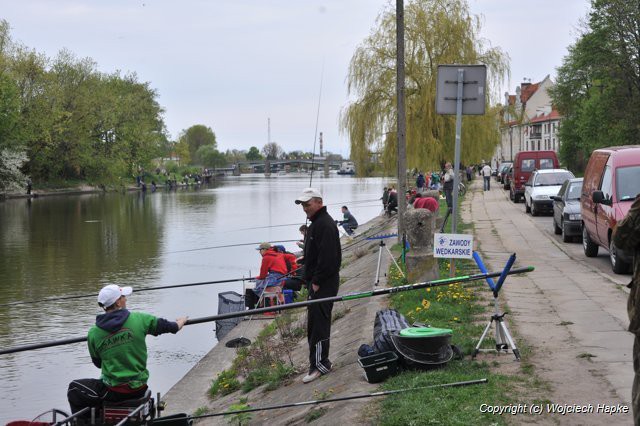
(254, 154)
(197, 136)
(437, 32)
(272, 151)
(234, 155)
(598, 84)
(210, 156)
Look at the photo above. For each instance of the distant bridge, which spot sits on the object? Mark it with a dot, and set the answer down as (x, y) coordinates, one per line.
(259, 166)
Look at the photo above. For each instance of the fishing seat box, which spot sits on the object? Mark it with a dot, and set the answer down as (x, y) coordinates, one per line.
(379, 367)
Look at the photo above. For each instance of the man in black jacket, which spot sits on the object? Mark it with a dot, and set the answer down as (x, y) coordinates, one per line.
(322, 259)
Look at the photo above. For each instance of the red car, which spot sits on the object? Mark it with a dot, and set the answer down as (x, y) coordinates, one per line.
(611, 184)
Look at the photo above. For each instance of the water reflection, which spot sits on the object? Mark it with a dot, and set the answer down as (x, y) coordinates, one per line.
(58, 246)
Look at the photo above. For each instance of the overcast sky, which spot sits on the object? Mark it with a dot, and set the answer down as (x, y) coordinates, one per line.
(232, 64)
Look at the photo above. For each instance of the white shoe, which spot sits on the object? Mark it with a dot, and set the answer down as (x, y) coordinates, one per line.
(311, 376)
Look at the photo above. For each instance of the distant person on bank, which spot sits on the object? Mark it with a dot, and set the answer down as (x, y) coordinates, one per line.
(448, 179)
(117, 346)
(348, 222)
(486, 175)
(322, 259)
(626, 236)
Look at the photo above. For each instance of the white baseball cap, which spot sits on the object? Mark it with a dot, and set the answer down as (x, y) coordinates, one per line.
(111, 293)
(308, 194)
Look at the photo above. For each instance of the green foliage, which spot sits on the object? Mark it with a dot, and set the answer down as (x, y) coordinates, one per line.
(239, 418)
(437, 32)
(226, 383)
(272, 151)
(75, 122)
(272, 375)
(195, 137)
(598, 84)
(209, 156)
(254, 154)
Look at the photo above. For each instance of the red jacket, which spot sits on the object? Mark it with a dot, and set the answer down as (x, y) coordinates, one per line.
(272, 261)
(428, 203)
(290, 258)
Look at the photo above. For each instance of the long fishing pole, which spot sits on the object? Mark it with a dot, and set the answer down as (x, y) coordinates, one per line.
(230, 245)
(337, 399)
(315, 136)
(138, 290)
(339, 298)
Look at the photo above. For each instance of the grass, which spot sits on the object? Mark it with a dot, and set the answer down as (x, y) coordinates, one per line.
(466, 310)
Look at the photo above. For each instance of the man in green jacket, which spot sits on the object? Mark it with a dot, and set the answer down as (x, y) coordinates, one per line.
(626, 236)
(117, 346)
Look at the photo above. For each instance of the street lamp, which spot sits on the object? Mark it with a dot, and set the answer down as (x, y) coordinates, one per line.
(511, 142)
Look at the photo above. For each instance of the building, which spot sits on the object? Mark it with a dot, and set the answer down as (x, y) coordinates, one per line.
(529, 121)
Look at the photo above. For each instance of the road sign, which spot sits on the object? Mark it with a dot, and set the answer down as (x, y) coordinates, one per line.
(473, 92)
(458, 246)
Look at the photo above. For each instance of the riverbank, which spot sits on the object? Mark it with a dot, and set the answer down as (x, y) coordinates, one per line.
(352, 326)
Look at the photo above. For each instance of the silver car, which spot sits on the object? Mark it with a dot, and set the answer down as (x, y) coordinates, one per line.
(541, 187)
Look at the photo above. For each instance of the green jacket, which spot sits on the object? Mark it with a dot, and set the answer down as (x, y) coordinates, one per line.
(117, 345)
(626, 236)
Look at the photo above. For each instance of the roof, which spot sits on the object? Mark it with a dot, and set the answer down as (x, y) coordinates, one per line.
(553, 115)
(527, 90)
(545, 171)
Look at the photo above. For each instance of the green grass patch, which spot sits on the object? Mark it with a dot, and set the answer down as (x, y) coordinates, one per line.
(465, 309)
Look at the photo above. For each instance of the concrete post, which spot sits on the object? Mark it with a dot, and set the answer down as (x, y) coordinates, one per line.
(420, 226)
(236, 170)
(267, 167)
(326, 166)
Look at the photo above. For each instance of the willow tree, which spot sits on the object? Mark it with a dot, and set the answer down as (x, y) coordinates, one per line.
(436, 32)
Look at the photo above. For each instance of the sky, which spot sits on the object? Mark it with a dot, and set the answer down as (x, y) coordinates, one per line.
(236, 65)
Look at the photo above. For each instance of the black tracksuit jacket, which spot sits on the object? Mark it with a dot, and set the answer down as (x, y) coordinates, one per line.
(322, 254)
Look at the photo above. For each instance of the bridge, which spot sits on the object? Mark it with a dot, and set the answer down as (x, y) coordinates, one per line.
(271, 166)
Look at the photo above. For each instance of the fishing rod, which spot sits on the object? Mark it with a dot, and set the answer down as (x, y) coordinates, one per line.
(315, 136)
(138, 290)
(230, 245)
(337, 399)
(295, 305)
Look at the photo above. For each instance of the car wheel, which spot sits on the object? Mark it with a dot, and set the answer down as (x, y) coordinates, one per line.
(556, 229)
(534, 210)
(511, 196)
(590, 248)
(618, 266)
(527, 209)
(565, 238)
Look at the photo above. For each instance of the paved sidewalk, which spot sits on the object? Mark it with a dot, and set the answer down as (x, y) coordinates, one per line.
(572, 315)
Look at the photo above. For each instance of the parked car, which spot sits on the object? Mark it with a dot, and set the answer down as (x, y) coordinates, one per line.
(611, 183)
(504, 168)
(566, 210)
(524, 164)
(541, 187)
(508, 177)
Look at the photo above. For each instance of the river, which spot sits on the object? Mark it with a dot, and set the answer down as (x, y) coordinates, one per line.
(73, 245)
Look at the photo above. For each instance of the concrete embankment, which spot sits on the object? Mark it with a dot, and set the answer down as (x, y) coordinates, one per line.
(353, 328)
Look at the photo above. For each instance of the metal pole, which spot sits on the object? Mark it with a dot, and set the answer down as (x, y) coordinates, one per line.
(402, 151)
(456, 165)
(511, 142)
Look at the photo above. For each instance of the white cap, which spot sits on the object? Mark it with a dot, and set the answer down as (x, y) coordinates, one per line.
(111, 293)
(308, 194)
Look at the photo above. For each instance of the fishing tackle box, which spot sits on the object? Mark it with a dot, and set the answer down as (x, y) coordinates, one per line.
(379, 367)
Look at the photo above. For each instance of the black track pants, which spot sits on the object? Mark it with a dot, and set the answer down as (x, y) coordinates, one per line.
(91, 392)
(318, 334)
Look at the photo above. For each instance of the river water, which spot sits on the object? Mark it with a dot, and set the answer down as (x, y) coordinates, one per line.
(73, 245)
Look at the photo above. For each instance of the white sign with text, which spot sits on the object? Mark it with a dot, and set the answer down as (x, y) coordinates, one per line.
(458, 246)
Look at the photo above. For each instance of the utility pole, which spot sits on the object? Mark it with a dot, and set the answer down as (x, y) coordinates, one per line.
(402, 149)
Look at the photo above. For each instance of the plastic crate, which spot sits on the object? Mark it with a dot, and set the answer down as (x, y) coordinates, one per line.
(379, 367)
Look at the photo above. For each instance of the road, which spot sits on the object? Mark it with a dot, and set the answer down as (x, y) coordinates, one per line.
(571, 311)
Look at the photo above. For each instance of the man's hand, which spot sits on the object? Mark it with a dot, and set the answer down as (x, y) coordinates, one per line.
(315, 287)
(181, 321)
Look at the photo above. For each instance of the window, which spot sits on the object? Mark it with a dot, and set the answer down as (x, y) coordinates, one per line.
(605, 186)
(574, 191)
(627, 183)
(546, 163)
(528, 165)
(552, 179)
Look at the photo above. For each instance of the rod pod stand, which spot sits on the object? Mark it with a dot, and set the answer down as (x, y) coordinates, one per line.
(381, 246)
(503, 339)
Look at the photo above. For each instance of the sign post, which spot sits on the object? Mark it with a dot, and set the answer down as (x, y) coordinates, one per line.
(461, 91)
